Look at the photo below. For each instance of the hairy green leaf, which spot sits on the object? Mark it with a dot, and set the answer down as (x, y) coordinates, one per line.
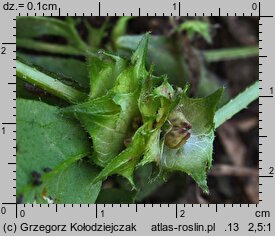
(108, 123)
(161, 53)
(110, 128)
(103, 72)
(145, 182)
(49, 147)
(115, 196)
(124, 163)
(195, 156)
(72, 184)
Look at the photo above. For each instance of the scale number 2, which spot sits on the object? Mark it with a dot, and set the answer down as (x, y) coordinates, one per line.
(271, 170)
(3, 50)
(182, 213)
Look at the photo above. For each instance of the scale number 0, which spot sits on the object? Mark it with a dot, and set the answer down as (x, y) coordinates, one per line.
(22, 213)
(3, 210)
(254, 6)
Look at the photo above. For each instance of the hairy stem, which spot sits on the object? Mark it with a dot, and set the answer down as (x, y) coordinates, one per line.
(230, 53)
(47, 47)
(237, 104)
(49, 84)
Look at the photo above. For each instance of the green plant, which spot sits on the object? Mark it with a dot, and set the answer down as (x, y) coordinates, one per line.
(126, 119)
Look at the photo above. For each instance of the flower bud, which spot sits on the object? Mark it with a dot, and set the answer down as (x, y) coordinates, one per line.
(178, 133)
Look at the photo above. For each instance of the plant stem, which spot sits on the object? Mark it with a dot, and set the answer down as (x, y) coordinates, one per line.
(230, 53)
(49, 84)
(47, 47)
(237, 104)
